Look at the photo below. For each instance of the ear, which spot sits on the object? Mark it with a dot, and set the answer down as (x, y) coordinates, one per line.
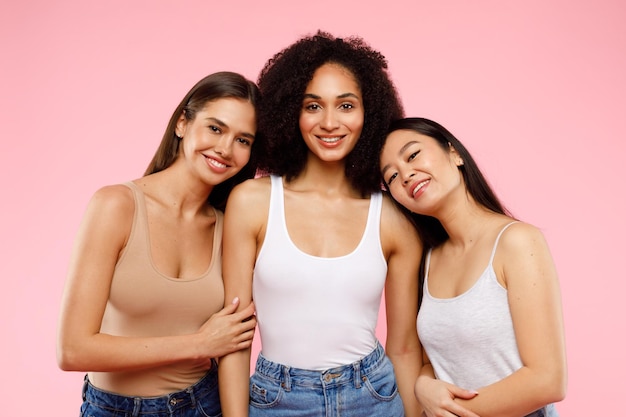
(181, 126)
(454, 155)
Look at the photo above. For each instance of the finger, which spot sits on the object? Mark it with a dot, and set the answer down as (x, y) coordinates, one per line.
(248, 324)
(245, 313)
(457, 410)
(245, 338)
(465, 413)
(462, 393)
(242, 337)
(229, 308)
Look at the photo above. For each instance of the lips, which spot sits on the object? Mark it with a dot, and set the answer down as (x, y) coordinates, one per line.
(418, 186)
(216, 163)
(329, 141)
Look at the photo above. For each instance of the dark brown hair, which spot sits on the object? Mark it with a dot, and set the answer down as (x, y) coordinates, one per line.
(218, 85)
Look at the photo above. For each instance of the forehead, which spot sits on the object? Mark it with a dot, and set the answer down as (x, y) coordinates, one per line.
(332, 75)
(401, 139)
(225, 103)
(229, 110)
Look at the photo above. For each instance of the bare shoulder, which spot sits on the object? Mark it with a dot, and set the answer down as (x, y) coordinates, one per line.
(109, 216)
(393, 218)
(113, 200)
(397, 230)
(248, 205)
(250, 193)
(523, 257)
(521, 237)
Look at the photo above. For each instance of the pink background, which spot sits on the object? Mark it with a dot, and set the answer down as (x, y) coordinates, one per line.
(535, 88)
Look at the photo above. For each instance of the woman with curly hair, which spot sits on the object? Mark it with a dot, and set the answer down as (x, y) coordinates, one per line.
(306, 243)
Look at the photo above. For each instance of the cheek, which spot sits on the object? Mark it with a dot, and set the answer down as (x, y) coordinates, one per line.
(398, 194)
(242, 155)
(184, 148)
(356, 122)
(305, 122)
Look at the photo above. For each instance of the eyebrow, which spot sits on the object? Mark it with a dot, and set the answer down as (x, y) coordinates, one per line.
(344, 95)
(400, 152)
(222, 124)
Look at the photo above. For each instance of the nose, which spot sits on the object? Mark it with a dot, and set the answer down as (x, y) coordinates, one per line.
(329, 121)
(406, 177)
(224, 146)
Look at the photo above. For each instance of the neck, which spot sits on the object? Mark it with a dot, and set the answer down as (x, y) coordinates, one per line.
(465, 223)
(327, 178)
(187, 196)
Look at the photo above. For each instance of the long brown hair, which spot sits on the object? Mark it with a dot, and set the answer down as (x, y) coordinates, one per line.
(218, 85)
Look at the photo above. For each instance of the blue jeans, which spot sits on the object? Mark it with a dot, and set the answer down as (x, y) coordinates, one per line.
(199, 400)
(547, 411)
(364, 388)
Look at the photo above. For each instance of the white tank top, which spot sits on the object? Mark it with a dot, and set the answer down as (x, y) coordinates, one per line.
(469, 338)
(317, 313)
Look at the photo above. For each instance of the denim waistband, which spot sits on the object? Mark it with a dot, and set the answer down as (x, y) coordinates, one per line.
(164, 403)
(355, 372)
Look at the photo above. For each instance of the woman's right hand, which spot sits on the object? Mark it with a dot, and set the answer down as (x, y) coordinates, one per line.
(437, 398)
(227, 330)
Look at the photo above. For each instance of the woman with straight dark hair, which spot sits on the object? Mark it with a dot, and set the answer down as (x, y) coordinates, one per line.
(490, 319)
(143, 309)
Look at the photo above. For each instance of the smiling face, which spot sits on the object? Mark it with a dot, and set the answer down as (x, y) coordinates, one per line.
(216, 143)
(332, 113)
(419, 172)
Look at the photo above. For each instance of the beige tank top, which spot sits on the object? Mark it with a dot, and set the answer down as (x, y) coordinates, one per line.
(145, 303)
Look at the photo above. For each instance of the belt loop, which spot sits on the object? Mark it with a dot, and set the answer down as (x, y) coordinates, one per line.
(357, 374)
(137, 406)
(85, 386)
(192, 397)
(286, 384)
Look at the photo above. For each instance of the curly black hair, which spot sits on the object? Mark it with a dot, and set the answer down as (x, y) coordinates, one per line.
(283, 81)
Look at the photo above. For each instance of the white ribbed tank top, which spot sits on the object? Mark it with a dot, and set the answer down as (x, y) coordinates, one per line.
(469, 338)
(317, 313)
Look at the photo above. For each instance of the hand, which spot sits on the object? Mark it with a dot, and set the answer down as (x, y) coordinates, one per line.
(227, 330)
(437, 398)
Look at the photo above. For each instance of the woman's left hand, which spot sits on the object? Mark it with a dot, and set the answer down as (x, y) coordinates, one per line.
(437, 398)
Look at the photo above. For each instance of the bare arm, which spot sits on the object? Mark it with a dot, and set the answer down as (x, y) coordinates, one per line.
(403, 250)
(246, 211)
(81, 346)
(524, 265)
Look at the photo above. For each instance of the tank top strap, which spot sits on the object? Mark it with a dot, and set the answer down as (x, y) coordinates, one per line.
(495, 245)
(373, 217)
(277, 188)
(140, 204)
(427, 266)
(277, 204)
(139, 226)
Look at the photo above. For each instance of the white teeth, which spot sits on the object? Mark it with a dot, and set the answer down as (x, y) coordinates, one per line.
(216, 163)
(331, 140)
(419, 187)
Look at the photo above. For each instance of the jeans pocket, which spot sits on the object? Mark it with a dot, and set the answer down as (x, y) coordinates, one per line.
(264, 393)
(209, 406)
(382, 382)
